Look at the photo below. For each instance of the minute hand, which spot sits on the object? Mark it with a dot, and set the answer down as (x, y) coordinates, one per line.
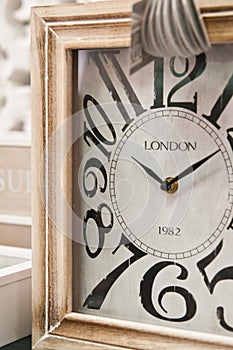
(192, 168)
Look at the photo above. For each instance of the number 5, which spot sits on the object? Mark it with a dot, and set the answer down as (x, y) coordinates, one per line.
(224, 274)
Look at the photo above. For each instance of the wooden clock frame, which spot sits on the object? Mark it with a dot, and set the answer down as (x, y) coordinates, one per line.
(57, 33)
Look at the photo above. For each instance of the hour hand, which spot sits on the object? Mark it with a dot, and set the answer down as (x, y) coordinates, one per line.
(192, 167)
(149, 171)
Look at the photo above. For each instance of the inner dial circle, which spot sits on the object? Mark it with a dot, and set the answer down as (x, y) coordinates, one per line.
(187, 220)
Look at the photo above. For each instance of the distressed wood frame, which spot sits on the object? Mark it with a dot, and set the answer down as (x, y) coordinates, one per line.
(56, 32)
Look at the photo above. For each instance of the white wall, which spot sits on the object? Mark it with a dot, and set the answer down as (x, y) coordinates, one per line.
(15, 66)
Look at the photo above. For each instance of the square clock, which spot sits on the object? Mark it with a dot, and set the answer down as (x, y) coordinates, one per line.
(132, 185)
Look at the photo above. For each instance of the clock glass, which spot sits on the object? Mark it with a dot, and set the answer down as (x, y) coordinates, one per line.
(153, 190)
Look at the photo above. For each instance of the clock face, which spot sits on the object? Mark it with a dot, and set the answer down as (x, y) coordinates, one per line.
(153, 190)
(171, 224)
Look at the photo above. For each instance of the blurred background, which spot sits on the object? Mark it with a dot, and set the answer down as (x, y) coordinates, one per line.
(15, 64)
(15, 172)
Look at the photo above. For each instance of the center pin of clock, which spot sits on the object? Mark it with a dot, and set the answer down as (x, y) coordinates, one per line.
(169, 187)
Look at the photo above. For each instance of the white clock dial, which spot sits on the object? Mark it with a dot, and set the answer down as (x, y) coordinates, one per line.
(183, 223)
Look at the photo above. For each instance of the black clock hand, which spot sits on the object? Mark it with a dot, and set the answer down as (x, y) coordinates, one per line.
(191, 168)
(149, 171)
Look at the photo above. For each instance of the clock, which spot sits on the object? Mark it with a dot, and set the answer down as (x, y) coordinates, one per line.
(154, 176)
(132, 184)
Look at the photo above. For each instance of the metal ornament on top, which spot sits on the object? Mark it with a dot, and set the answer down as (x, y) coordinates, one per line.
(166, 29)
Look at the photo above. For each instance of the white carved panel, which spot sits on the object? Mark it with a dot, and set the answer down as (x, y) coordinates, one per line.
(15, 68)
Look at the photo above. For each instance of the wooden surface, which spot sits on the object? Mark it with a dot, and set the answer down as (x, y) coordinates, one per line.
(15, 235)
(217, 14)
(55, 32)
(15, 184)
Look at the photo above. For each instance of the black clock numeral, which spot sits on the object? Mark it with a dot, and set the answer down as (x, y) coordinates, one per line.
(221, 317)
(94, 163)
(130, 93)
(224, 274)
(230, 227)
(221, 104)
(88, 137)
(202, 265)
(146, 293)
(174, 72)
(99, 293)
(158, 82)
(100, 110)
(94, 134)
(198, 69)
(96, 216)
(230, 137)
